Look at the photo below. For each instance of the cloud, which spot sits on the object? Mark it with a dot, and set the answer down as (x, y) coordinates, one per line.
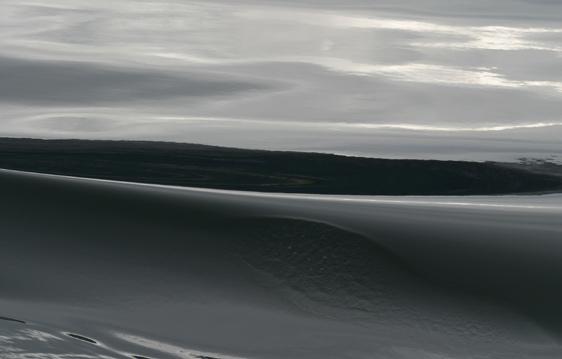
(96, 68)
(46, 82)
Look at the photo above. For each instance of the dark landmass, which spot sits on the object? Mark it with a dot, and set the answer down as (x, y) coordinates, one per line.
(536, 165)
(272, 171)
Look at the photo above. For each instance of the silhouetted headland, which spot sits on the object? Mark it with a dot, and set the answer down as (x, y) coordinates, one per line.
(196, 165)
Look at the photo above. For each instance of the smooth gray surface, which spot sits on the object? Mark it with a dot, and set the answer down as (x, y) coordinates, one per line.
(168, 273)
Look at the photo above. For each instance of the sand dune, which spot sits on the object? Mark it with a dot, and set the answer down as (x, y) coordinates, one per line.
(100, 269)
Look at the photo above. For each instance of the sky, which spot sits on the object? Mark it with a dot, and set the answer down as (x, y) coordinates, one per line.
(443, 79)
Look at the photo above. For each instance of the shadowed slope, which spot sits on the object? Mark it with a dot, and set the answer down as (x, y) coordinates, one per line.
(274, 276)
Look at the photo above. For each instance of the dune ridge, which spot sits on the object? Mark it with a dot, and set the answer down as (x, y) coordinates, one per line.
(271, 276)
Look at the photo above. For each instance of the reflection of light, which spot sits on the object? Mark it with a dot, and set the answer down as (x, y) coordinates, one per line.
(476, 202)
(114, 121)
(45, 355)
(437, 74)
(15, 346)
(476, 37)
(453, 129)
(169, 348)
(410, 72)
(29, 335)
(374, 126)
(147, 120)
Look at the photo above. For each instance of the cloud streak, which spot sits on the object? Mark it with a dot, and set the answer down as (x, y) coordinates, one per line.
(47, 82)
(447, 66)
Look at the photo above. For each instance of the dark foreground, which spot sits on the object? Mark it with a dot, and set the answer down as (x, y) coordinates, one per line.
(112, 270)
(269, 171)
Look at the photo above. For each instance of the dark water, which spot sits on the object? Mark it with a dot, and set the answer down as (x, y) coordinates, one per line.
(93, 269)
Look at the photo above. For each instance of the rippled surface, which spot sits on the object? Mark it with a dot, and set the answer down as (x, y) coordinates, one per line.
(98, 269)
(438, 79)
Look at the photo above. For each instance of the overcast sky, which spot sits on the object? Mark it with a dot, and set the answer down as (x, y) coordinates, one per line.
(388, 78)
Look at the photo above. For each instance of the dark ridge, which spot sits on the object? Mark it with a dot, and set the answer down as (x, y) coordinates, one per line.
(12, 320)
(205, 357)
(82, 338)
(139, 357)
(269, 171)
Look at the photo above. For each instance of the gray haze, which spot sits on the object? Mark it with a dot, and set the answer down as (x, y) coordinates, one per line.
(432, 79)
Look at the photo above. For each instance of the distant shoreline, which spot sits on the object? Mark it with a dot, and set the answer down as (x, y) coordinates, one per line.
(194, 165)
